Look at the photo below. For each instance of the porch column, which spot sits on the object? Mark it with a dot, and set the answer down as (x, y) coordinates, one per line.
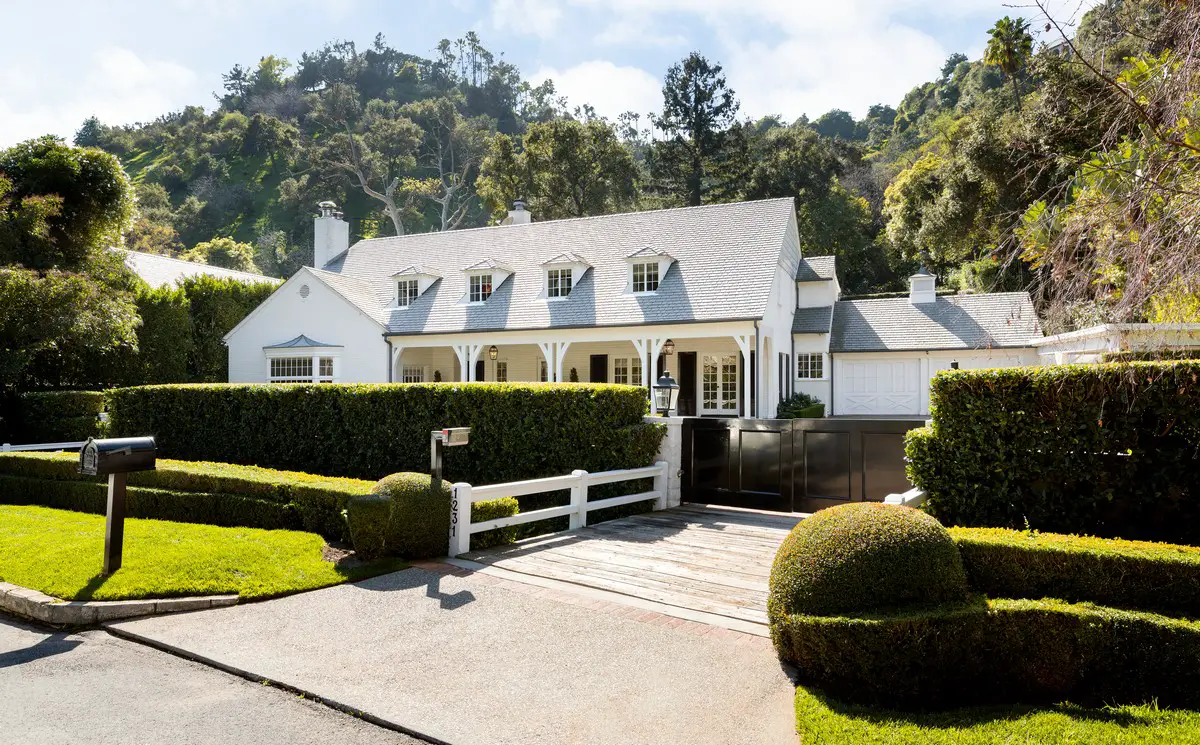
(397, 370)
(743, 342)
(547, 348)
(559, 354)
(642, 346)
(460, 351)
(656, 346)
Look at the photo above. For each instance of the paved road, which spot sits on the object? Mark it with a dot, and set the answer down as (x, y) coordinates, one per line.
(471, 662)
(92, 688)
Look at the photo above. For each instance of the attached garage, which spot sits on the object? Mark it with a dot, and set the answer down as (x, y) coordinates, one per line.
(884, 388)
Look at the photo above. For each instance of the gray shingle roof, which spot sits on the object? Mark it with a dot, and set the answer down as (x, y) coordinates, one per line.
(156, 270)
(816, 268)
(300, 342)
(707, 244)
(812, 320)
(1001, 319)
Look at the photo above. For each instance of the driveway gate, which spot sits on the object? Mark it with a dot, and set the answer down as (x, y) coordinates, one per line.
(793, 465)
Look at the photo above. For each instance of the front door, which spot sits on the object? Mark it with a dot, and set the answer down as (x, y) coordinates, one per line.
(687, 384)
(719, 385)
(599, 373)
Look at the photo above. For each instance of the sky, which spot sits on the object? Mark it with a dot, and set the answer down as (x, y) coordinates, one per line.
(126, 61)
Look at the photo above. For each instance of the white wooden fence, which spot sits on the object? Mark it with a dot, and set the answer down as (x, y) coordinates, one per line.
(6, 448)
(464, 495)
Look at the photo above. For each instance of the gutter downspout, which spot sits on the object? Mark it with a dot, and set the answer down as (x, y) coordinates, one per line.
(390, 374)
(758, 368)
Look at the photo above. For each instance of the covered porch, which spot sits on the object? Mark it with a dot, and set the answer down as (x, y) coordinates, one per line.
(715, 364)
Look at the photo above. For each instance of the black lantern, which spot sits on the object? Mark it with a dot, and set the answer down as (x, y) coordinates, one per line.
(666, 391)
(668, 347)
(493, 353)
(953, 364)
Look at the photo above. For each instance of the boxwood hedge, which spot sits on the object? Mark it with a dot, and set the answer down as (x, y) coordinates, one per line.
(1108, 450)
(1126, 574)
(52, 416)
(184, 491)
(518, 430)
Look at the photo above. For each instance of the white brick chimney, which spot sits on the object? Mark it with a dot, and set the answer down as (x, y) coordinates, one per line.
(331, 234)
(922, 287)
(518, 215)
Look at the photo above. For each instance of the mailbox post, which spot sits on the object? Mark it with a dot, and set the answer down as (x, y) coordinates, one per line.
(439, 439)
(115, 458)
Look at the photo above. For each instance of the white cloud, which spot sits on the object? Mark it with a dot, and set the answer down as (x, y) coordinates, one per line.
(536, 17)
(609, 88)
(117, 86)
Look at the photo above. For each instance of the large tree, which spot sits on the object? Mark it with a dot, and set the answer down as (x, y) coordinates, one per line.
(566, 168)
(448, 156)
(699, 110)
(1010, 47)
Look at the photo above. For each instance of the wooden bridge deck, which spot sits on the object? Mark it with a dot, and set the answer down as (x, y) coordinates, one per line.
(695, 558)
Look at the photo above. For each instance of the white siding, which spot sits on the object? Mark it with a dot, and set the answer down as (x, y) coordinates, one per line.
(323, 316)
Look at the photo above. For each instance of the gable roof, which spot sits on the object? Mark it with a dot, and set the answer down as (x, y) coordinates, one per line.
(157, 271)
(1000, 319)
(816, 269)
(300, 342)
(812, 320)
(705, 243)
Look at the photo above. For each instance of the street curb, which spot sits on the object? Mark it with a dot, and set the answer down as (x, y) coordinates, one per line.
(289, 688)
(31, 604)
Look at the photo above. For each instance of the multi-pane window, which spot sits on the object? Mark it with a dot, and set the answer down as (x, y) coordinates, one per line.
(627, 371)
(413, 374)
(718, 383)
(645, 276)
(810, 366)
(481, 287)
(543, 371)
(300, 369)
(501, 372)
(558, 282)
(406, 292)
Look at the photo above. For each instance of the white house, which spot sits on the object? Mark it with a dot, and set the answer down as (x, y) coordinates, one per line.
(158, 270)
(704, 292)
(1091, 344)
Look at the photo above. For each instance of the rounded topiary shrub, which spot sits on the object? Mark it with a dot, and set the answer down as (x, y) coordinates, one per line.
(419, 516)
(863, 557)
(368, 517)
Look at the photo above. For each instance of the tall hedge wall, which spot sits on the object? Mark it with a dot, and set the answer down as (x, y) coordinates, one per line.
(518, 431)
(51, 416)
(1107, 450)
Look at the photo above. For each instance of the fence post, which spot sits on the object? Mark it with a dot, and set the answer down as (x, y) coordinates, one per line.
(579, 498)
(661, 484)
(460, 519)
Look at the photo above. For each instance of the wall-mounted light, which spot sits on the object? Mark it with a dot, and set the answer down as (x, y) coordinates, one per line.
(668, 347)
(493, 353)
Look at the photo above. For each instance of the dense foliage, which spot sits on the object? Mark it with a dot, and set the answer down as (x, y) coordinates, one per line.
(518, 431)
(1107, 450)
(52, 416)
(1126, 574)
(188, 491)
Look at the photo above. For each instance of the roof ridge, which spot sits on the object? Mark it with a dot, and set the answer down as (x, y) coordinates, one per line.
(947, 298)
(559, 221)
(191, 263)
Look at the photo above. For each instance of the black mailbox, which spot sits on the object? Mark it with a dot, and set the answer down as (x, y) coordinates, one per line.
(118, 455)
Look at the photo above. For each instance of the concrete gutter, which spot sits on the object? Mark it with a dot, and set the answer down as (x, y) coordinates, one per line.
(38, 606)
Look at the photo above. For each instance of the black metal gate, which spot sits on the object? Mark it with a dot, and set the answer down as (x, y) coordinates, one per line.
(793, 465)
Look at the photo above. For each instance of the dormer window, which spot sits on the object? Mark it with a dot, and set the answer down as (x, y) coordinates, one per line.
(558, 282)
(645, 276)
(406, 292)
(481, 287)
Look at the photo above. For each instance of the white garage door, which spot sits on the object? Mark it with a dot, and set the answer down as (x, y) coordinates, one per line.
(885, 388)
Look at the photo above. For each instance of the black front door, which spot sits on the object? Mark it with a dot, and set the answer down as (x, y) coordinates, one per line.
(599, 372)
(687, 384)
(480, 369)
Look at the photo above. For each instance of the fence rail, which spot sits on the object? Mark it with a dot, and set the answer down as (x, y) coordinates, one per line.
(465, 495)
(7, 448)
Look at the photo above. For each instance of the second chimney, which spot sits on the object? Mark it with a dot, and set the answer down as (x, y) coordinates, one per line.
(922, 287)
(518, 215)
(331, 234)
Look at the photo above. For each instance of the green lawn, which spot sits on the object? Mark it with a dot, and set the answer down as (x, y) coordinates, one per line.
(60, 553)
(822, 721)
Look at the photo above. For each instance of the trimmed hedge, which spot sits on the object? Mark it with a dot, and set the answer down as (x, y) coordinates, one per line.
(864, 556)
(54, 416)
(1125, 574)
(183, 491)
(997, 651)
(1152, 355)
(1108, 450)
(518, 431)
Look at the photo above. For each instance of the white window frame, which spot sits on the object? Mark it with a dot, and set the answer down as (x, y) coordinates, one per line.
(725, 374)
(627, 370)
(412, 374)
(321, 368)
(807, 363)
(559, 282)
(407, 292)
(642, 285)
(501, 374)
(475, 287)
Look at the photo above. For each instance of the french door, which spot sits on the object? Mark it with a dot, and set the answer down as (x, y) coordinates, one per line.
(719, 385)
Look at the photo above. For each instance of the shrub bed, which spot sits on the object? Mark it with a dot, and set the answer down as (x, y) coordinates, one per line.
(997, 651)
(1125, 574)
(1109, 450)
(183, 491)
(53, 416)
(518, 431)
